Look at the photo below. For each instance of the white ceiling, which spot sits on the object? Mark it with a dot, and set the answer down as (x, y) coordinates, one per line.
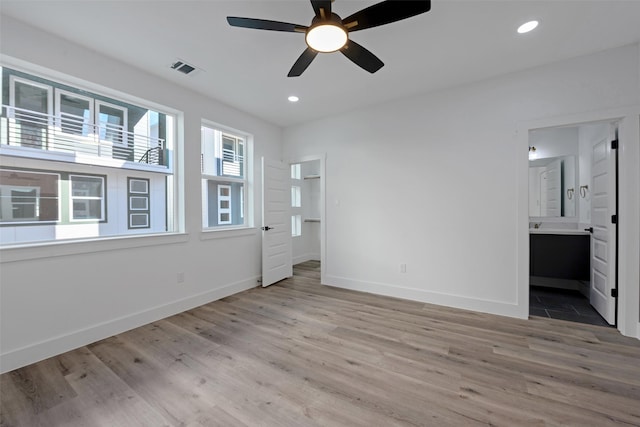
(455, 43)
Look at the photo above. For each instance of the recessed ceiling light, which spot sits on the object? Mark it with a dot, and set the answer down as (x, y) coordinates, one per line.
(293, 98)
(527, 26)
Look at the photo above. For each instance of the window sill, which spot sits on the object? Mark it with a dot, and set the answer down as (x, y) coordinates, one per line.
(38, 250)
(226, 233)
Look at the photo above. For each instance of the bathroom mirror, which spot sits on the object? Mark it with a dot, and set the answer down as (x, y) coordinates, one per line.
(552, 187)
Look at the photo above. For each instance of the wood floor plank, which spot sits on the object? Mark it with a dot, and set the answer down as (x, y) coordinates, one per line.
(298, 353)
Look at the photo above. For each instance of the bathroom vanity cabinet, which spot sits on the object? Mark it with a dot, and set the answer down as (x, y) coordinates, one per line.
(561, 256)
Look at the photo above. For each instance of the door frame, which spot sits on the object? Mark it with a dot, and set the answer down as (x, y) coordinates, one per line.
(628, 209)
(323, 223)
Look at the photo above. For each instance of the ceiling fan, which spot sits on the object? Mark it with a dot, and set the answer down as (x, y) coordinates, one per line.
(330, 33)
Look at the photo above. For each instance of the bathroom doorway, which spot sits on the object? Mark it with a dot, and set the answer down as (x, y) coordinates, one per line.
(573, 223)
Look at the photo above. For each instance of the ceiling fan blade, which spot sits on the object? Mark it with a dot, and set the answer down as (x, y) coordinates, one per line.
(385, 12)
(361, 57)
(264, 24)
(321, 7)
(302, 63)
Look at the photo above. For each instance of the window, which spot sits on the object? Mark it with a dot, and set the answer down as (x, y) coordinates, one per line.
(224, 181)
(28, 197)
(224, 204)
(295, 171)
(139, 204)
(295, 197)
(112, 122)
(87, 197)
(296, 225)
(30, 107)
(74, 113)
(84, 164)
(296, 201)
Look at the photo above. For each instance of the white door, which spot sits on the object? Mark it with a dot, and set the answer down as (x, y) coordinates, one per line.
(276, 222)
(603, 237)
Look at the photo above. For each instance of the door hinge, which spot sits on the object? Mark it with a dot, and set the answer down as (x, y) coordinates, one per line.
(614, 292)
(614, 219)
(614, 144)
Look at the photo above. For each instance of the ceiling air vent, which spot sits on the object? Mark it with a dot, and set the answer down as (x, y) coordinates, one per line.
(183, 67)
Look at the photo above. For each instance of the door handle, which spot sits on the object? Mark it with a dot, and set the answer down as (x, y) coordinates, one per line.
(267, 228)
(590, 230)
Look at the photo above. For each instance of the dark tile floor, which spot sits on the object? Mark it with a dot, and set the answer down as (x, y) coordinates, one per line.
(562, 304)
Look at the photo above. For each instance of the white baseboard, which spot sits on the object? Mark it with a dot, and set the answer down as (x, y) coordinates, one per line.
(306, 257)
(486, 306)
(32, 353)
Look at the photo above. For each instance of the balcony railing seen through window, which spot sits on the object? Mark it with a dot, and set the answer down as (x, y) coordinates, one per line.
(76, 134)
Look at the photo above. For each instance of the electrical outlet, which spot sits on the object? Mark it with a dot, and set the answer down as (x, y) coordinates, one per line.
(180, 277)
(403, 268)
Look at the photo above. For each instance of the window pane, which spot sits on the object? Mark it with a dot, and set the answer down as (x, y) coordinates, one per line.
(31, 114)
(139, 220)
(222, 154)
(222, 203)
(57, 117)
(31, 98)
(75, 114)
(139, 203)
(87, 209)
(138, 186)
(86, 186)
(112, 123)
(296, 225)
(222, 157)
(24, 203)
(28, 196)
(295, 197)
(295, 171)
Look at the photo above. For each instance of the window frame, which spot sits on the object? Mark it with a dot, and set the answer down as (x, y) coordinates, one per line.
(102, 198)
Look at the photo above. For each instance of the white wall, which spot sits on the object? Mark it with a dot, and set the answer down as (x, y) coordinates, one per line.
(57, 297)
(433, 182)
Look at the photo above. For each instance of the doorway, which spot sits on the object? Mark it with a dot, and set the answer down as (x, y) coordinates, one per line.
(307, 213)
(572, 222)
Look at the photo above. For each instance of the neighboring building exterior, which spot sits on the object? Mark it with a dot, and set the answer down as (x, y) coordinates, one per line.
(77, 164)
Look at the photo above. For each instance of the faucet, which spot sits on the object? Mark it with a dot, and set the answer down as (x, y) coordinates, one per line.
(537, 225)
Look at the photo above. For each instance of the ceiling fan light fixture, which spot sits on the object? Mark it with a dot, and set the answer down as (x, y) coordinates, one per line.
(527, 26)
(326, 37)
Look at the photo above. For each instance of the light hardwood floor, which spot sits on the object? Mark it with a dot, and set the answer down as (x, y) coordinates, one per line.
(302, 354)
